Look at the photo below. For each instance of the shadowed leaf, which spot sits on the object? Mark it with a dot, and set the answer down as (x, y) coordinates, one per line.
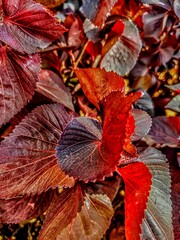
(176, 210)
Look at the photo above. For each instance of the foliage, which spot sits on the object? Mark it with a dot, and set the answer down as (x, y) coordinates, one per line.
(85, 92)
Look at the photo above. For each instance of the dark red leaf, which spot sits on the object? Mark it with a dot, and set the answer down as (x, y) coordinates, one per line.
(19, 74)
(97, 83)
(176, 210)
(27, 25)
(157, 223)
(121, 53)
(77, 214)
(27, 157)
(165, 130)
(18, 209)
(137, 180)
(97, 11)
(52, 86)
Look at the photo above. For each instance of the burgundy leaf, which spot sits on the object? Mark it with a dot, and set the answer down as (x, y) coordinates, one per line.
(19, 74)
(165, 130)
(97, 11)
(142, 124)
(157, 223)
(137, 180)
(77, 214)
(18, 209)
(176, 210)
(52, 86)
(27, 157)
(27, 25)
(121, 56)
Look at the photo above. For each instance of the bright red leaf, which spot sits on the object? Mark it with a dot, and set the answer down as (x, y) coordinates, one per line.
(19, 74)
(137, 180)
(97, 83)
(77, 213)
(27, 25)
(27, 157)
(52, 86)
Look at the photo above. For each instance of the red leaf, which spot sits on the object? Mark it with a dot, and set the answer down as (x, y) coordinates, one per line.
(52, 86)
(19, 74)
(27, 25)
(120, 53)
(97, 11)
(77, 213)
(18, 209)
(137, 180)
(27, 157)
(165, 130)
(97, 83)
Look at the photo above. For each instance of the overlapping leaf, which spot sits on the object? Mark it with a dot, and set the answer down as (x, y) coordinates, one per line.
(157, 223)
(77, 214)
(165, 130)
(121, 56)
(163, 3)
(18, 209)
(137, 180)
(174, 104)
(27, 157)
(19, 74)
(27, 25)
(176, 210)
(97, 11)
(52, 86)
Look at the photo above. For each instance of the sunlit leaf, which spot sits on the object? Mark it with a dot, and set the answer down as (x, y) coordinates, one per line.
(27, 157)
(157, 223)
(77, 214)
(19, 74)
(121, 56)
(27, 25)
(137, 180)
(52, 86)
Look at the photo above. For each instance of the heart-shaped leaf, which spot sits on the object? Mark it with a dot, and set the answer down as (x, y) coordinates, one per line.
(27, 25)
(19, 74)
(27, 157)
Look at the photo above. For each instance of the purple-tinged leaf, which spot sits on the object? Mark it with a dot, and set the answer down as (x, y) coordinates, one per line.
(77, 214)
(52, 86)
(27, 25)
(174, 104)
(142, 124)
(28, 164)
(175, 87)
(18, 209)
(166, 4)
(19, 74)
(97, 11)
(157, 223)
(122, 56)
(78, 151)
(176, 210)
(177, 7)
(91, 31)
(165, 130)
